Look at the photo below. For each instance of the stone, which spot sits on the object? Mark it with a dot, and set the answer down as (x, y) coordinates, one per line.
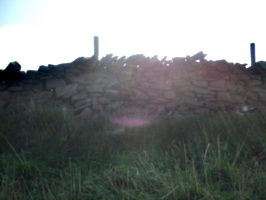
(94, 89)
(55, 104)
(3, 87)
(46, 77)
(181, 83)
(154, 93)
(21, 94)
(94, 100)
(134, 109)
(31, 74)
(223, 96)
(240, 88)
(36, 86)
(205, 96)
(79, 81)
(230, 86)
(11, 71)
(67, 97)
(112, 94)
(158, 86)
(205, 91)
(127, 76)
(144, 85)
(198, 56)
(262, 95)
(53, 83)
(211, 105)
(188, 88)
(85, 112)
(2, 75)
(98, 108)
(80, 61)
(82, 103)
(79, 96)
(43, 69)
(178, 60)
(193, 102)
(200, 83)
(192, 75)
(150, 107)
(225, 77)
(239, 66)
(4, 95)
(262, 64)
(81, 89)
(255, 77)
(252, 96)
(104, 100)
(235, 98)
(252, 103)
(239, 77)
(140, 95)
(62, 91)
(19, 100)
(245, 108)
(112, 84)
(257, 89)
(217, 84)
(183, 108)
(252, 83)
(3, 102)
(128, 84)
(169, 82)
(216, 89)
(158, 100)
(177, 74)
(43, 95)
(178, 115)
(171, 105)
(160, 109)
(169, 94)
(115, 105)
(71, 71)
(212, 63)
(188, 94)
(16, 88)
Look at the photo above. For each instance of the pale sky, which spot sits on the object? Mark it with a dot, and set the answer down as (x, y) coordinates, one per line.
(42, 32)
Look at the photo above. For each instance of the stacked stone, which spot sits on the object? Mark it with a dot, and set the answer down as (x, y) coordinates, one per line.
(139, 85)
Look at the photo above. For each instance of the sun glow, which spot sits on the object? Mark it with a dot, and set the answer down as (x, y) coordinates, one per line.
(131, 122)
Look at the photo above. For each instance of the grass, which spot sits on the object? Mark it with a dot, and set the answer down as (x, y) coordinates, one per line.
(49, 154)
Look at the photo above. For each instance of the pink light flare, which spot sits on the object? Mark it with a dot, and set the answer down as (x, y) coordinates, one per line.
(130, 122)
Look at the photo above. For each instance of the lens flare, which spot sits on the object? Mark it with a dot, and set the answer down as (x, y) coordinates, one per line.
(130, 122)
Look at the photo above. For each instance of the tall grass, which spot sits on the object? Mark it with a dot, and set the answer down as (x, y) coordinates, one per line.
(49, 154)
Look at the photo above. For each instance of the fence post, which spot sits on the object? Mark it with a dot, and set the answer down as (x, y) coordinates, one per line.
(252, 53)
(96, 47)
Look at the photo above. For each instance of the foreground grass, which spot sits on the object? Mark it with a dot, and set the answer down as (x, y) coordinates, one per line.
(47, 154)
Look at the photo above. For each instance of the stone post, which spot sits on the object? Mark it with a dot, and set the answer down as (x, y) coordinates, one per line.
(252, 53)
(96, 46)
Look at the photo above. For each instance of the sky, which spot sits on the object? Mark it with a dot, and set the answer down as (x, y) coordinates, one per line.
(42, 32)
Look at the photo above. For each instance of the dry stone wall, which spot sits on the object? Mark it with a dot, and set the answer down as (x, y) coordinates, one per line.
(138, 85)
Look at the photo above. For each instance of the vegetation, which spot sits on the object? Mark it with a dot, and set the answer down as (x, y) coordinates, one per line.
(48, 154)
